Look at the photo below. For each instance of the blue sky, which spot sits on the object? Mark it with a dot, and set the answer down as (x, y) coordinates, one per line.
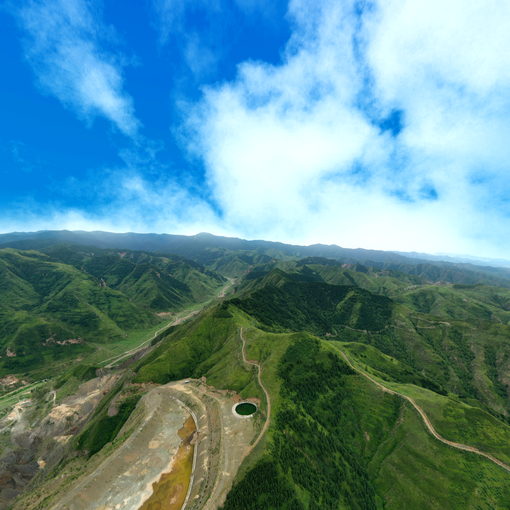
(380, 124)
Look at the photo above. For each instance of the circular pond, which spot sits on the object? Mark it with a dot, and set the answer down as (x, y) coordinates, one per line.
(245, 408)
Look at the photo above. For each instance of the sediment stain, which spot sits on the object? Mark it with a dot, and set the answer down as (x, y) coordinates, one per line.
(169, 492)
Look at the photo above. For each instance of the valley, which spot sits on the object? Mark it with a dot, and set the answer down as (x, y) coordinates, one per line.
(372, 387)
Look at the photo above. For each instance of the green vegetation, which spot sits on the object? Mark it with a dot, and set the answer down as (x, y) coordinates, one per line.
(316, 412)
(208, 346)
(437, 333)
(161, 283)
(445, 352)
(282, 302)
(319, 403)
(69, 380)
(414, 470)
(65, 303)
(105, 428)
(461, 422)
(379, 454)
(387, 367)
(265, 487)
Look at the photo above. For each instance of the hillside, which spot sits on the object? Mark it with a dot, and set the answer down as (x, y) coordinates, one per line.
(233, 256)
(453, 338)
(61, 303)
(159, 282)
(281, 301)
(378, 449)
(337, 357)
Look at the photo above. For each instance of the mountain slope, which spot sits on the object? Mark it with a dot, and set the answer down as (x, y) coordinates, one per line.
(379, 453)
(281, 301)
(50, 309)
(157, 282)
(234, 256)
(454, 340)
(332, 435)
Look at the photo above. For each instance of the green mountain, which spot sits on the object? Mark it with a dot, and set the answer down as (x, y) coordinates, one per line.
(454, 338)
(281, 301)
(379, 385)
(59, 303)
(233, 256)
(160, 283)
(335, 440)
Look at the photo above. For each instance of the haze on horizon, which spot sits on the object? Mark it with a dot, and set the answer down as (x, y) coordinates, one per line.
(373, 124)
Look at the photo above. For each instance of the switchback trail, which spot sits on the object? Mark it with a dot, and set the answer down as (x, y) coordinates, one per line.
(261, 384)
(424, 417)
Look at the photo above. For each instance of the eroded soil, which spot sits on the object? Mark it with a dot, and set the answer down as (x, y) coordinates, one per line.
(170, 491)
(37, 441)
(126, 477)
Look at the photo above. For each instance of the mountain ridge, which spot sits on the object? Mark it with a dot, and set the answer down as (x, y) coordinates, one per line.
(234, 256)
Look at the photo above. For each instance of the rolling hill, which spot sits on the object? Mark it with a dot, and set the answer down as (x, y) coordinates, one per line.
(342, 354)
(58, 304)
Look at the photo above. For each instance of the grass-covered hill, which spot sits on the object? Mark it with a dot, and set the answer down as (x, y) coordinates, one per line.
(325, 332)
(57, 304)
(452, 338)
(336, 440)
(280, 300)
(157, 282)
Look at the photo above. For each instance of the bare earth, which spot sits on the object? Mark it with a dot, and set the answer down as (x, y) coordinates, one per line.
(124, 480)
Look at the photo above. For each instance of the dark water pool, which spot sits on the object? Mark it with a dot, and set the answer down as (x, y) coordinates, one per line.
(245, 408)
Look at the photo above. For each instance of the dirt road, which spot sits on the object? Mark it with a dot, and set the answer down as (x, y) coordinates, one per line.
(115, 359)
(425, 418)
(264, 389)
(221, 444)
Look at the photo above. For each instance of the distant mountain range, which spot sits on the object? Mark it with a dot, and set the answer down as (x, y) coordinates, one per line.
(232, 256)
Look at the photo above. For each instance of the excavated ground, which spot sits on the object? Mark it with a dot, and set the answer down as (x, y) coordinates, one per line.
(127, 477)
(38, 443)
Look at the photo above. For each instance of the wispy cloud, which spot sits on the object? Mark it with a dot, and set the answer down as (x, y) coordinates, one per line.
(126, 201)
(200, 49)
(64, 45)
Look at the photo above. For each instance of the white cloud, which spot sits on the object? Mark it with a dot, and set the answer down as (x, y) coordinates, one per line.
(63, 46)
(295, 152)
(292, 153)
(200, 49)
(131, 203)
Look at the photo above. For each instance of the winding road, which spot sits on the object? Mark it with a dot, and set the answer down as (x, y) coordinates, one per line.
(261, 384)
(424, 417)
